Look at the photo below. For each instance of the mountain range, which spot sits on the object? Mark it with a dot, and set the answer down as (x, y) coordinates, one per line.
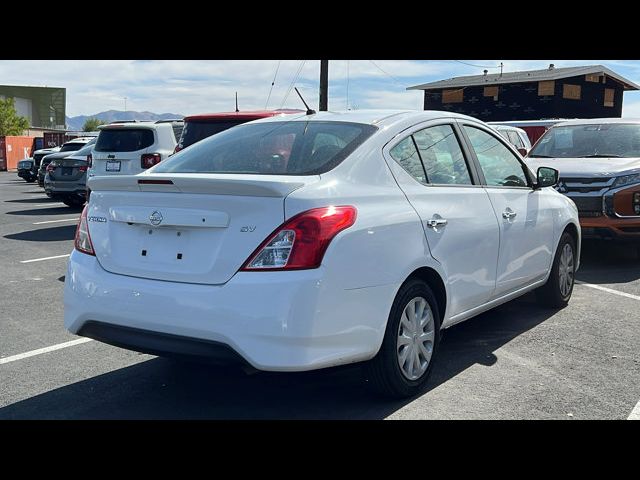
(76, 123)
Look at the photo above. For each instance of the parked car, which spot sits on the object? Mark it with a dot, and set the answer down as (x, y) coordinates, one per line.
(321, 240)
(27, 170)
(38, 155)
(131, 147)
(66, 150)
(599, 164)
(516, 136)
(534, 128)
(198, 127)
(66, 178)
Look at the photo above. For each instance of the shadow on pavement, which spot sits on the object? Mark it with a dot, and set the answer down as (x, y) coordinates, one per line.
(166, 389)
(51, 234)
(34, 200)
(47, 211)
(607, 262)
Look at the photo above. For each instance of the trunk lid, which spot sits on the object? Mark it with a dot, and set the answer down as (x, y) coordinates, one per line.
(194, 228)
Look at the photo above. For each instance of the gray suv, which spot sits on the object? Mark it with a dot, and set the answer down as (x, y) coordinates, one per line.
(66, 178)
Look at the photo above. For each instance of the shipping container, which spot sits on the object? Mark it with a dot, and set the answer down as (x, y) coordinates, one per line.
(54, 139)
(14, 149)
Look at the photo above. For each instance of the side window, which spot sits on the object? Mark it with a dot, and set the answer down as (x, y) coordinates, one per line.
(501, 168)
(515, 140)
(406, 155)
(442, 157)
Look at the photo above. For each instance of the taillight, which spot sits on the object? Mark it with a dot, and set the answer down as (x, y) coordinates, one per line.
(51, 167)
(177, 149)
(636, 203)
(300, 243)
(83, 239)
(148, 160)
(83, 168)
(89, 160)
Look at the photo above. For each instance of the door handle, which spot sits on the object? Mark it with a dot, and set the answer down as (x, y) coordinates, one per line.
(508, 214)
(437, 222)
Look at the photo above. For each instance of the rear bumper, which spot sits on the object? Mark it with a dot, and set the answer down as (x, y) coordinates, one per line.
(280, 321)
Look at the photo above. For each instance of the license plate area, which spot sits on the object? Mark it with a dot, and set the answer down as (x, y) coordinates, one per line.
(164, 246)
(113, 166)
(67, 170)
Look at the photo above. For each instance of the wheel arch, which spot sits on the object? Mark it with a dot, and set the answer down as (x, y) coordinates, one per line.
(432, 278)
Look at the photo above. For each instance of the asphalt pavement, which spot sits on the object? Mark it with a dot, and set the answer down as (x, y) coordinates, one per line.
(518, 361)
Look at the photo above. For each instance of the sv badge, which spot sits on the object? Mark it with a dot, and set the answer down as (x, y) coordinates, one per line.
(248, 228)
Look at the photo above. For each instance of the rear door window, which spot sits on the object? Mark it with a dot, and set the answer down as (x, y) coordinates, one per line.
(194, 131)
(124, 139)
(281, 148)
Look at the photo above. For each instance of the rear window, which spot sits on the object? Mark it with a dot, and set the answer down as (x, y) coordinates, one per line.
(277, 148)
(195, 131)
(124, 139)
(71, 147)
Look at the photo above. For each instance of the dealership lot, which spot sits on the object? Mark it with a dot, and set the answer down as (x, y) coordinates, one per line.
(516, 361)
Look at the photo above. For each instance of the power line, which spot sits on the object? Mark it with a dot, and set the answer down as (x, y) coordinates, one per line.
(473, 65)
(272, 84)
(387, 74)
(291, 85)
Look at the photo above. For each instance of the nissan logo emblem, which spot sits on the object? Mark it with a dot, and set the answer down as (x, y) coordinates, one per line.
(155, 218)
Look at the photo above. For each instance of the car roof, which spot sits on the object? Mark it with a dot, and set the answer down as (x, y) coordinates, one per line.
(80, 140)
(597, 121)
(244, 115)
(150, 125)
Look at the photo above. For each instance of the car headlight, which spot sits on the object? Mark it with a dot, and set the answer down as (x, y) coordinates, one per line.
(627, 179)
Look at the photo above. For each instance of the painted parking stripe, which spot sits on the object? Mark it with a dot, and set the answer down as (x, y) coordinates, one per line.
(635, 413)
(48, 204)
(40, 351)
(58, 221)
(610, 290)
(45, 258)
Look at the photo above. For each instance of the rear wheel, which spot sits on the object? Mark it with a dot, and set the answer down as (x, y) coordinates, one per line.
(559, 287)
(403, 364)
(73, 202)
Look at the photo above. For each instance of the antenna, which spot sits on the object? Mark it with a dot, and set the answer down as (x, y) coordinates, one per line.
(309, 111)
(237, 102)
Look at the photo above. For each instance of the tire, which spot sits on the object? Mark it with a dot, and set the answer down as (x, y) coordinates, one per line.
(73, 203)
(552, 294)
(30, 180)
(384, 372)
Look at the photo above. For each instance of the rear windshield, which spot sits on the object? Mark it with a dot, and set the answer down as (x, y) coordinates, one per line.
(276, 148)
(71, 147)
(124, 139)
(195, 131)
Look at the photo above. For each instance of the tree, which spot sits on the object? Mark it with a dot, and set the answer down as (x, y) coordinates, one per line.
(91, 124)
(10, 122)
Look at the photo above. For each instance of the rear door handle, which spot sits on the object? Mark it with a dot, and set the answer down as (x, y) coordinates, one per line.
(508, 214)
(437, 222)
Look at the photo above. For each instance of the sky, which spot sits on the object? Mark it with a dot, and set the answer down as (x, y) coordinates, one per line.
(199, 86)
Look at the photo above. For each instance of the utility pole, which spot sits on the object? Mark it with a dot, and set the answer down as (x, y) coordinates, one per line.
(324, 85)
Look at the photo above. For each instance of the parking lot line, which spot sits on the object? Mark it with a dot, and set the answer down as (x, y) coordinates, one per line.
(45, 258)
(40, 351)
(610, 290)
(48, 204)
(57, 221)
(635, 413)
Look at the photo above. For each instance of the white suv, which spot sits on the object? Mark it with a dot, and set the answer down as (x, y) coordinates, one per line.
(320, 240)
(132, 147)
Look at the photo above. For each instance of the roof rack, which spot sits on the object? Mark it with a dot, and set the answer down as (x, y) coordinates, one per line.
(170, 120)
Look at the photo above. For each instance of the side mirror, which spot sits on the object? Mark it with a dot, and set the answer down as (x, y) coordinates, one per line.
(547, 177)
(523, 151)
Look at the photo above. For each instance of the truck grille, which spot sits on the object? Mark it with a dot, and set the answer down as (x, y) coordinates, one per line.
(588, 206)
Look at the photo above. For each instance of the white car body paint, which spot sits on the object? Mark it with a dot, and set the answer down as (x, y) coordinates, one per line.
(306, 319)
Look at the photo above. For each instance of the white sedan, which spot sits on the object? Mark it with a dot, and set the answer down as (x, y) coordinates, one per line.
(309, 241)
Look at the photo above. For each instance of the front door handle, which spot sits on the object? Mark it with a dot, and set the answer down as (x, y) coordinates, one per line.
(508, 214)
(436, 222)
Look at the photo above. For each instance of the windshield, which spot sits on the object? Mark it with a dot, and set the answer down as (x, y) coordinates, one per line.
(194, 131)
(278, 148)
(71, 147)
(594, 140)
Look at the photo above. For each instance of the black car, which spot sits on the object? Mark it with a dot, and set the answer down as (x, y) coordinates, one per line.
(27, 170)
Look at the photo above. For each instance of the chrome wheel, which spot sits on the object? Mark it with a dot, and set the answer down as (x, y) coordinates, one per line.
(565, 270)
(416, 333)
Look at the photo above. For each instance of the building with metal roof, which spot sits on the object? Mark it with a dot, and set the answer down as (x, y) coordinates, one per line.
(592, 91)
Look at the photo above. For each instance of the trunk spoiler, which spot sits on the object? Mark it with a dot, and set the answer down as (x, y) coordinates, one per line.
(216, 184)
